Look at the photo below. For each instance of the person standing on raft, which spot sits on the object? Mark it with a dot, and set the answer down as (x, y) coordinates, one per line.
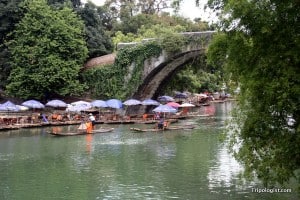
(92, 119)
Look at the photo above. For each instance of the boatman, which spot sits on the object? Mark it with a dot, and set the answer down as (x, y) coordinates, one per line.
(92, 119)
(160, 124)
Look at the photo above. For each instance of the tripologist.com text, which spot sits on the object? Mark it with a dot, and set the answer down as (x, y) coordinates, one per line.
(271, 190)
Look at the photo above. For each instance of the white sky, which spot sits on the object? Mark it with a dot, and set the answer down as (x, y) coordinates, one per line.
(188, 9)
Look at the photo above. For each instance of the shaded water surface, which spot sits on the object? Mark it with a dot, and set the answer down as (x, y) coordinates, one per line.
(183, 164)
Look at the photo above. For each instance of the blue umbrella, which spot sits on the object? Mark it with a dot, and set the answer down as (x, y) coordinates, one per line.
(165, 98)
(9, 106)
(33, 104)
(148, 102)
(132, 102)
(99, 104)
(56, 104)
(180, 95)
(114, 103)
(165, 109)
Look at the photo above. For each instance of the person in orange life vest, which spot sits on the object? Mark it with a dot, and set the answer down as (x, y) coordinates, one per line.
(89, 127)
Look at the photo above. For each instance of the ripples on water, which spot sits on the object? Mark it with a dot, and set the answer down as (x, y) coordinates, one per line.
(189, 164)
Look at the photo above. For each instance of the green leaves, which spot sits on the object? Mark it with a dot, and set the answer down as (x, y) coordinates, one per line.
(48, 50)
(121, 79)
(262, 52)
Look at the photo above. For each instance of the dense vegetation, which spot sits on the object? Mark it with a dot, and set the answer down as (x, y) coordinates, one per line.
(46, 52)
(260, 47)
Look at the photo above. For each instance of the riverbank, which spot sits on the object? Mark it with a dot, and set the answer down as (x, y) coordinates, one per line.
(67, 123)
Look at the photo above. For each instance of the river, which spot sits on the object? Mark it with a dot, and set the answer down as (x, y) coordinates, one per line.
(189, 164)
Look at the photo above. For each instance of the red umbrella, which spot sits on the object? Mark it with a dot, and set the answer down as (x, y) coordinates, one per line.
(173, 104)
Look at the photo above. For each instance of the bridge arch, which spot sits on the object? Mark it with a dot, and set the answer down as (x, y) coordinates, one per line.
(154, 80)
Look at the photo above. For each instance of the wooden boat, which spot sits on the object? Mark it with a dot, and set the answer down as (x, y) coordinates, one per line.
(165, 129)
(101, 130)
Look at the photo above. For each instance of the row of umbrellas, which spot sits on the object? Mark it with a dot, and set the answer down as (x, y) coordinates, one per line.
(83, 105)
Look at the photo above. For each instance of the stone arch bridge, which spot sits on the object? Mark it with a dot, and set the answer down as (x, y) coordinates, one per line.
(157, 70)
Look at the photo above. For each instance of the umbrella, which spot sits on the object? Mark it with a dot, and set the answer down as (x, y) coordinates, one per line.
(173, 104)
(180, 95)
(33, 104)
(184, 105)
(132, 102)
(148, 102)
(78, 108)
(22, 108)
(9, 106)
(99, 104)
(165, 98)
(165, 109)
(57, 104)
(81, 103)
(114, 103)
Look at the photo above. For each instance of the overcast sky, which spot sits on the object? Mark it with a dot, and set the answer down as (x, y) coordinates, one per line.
(188, 9)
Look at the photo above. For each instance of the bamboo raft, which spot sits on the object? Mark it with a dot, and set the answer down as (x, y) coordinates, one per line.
(164, 129)
(101, 130)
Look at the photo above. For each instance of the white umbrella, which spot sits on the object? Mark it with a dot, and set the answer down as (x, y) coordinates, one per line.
(186, 105)
(56, 104)
(132, 102)
(165, 109)
(81, 103)
(78, 108)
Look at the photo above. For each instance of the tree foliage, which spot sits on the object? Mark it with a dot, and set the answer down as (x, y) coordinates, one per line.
(262, 51)
(47, 50)
(195, 77)
(10, 14)
(98, 41)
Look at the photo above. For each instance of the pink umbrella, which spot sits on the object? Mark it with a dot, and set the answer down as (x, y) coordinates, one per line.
(173, 104)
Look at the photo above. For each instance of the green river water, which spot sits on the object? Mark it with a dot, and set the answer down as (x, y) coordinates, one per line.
(182, 164)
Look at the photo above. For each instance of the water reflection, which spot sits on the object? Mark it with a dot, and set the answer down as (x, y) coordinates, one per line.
(224, 170)
(182, 164)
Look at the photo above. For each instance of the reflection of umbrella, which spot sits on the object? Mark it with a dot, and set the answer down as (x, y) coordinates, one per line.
(185, 105)
(99, 104)
(165, 98)
(132, 102)
(9, 106)
(114, 103)
(33, 104)
(56, 104)
(165, 109)
(148, 102)
(173, 104)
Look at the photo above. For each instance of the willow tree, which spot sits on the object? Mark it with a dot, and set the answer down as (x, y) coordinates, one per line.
(262, 51)
(48, 50)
